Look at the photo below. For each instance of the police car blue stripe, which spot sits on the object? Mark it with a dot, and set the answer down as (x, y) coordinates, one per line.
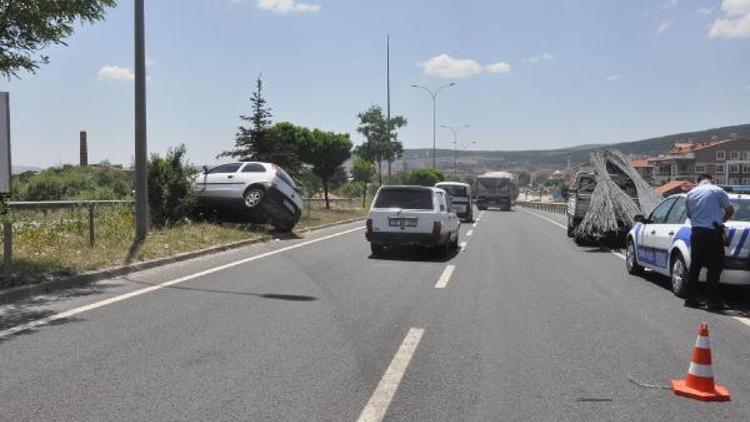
(741, 243)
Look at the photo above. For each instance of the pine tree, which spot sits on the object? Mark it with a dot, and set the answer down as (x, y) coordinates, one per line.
(253, 142)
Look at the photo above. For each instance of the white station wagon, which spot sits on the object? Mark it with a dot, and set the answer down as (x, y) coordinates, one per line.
(413, 216)
(661, 243)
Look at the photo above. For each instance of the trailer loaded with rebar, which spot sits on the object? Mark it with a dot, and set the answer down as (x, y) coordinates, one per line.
(604, 202)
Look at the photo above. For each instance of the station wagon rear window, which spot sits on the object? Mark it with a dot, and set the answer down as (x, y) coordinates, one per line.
(410, 199)
(454, 190)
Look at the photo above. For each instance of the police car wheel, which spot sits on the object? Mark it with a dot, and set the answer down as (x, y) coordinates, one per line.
(679, 272)
(631, 261)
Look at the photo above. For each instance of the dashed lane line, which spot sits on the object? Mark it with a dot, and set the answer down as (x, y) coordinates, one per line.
(445, 277)
(462, 245)
(381, 398)
(743, 320)
(469, 233)
(120, 298)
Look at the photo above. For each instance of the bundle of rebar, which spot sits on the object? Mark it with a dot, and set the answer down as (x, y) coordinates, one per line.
(611, 207)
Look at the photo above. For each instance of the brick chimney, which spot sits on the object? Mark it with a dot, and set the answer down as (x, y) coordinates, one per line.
(84, 150)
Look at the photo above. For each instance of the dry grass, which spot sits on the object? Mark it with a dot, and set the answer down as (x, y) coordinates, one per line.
(57, 245)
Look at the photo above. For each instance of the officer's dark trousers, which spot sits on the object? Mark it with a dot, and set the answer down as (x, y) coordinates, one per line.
(706, 250)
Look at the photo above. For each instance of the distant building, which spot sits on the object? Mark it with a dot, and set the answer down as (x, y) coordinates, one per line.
(728, 161)
(645, 169)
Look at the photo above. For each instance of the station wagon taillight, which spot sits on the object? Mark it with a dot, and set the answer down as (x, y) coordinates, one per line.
(369, 225)
(436, 227)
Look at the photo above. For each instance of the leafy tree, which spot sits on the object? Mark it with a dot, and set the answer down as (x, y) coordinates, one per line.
(308, 182)
(381, 137)
(170, 193)
(362, 171)
(326, 152)
(524, 178)
(69, 182)
(28, 26)
(427, 176)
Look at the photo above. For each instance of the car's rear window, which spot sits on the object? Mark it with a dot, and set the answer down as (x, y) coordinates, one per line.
(741, 209)
(411, 199)
(454, 190)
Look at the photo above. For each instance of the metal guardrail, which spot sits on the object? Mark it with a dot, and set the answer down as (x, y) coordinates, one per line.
(553, 207)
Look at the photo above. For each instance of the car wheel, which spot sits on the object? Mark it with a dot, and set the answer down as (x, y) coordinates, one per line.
(253, 197)
(570, 227)
(631, 260)
(445, 249)
(679, 274)
(376, 249)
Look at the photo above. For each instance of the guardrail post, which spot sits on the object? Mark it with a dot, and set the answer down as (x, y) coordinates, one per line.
(7, 251)
(91, 225)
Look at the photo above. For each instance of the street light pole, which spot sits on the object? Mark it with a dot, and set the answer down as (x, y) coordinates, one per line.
(434, 95)
(455, 146)
(141, 151)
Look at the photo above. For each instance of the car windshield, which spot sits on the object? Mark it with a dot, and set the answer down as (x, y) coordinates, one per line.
(412, 199)
(741, 209)
(454, 190)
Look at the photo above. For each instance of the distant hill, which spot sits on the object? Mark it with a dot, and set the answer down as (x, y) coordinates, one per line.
(480, 161)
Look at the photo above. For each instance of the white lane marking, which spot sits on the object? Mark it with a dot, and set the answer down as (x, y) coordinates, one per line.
(743, 320)
(617, 254)
(463, 246)
(545, 218)
(475, 224)
(469, 233)
(381, 398)
(120, 298)
(445, 277)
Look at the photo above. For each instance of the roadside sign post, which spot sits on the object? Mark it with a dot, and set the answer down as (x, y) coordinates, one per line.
(5, 183)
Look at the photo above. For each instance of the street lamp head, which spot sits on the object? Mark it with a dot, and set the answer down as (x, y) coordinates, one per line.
(452, 84)
(414, 86)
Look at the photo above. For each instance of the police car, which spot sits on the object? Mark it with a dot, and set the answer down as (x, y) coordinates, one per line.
(661, 243)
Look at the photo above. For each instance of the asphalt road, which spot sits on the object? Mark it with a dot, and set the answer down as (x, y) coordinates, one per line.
(521, 325)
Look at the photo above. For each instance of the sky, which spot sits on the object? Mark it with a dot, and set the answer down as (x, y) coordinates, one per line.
(530, 74)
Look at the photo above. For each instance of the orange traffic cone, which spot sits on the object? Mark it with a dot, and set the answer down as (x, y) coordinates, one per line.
(699, 383)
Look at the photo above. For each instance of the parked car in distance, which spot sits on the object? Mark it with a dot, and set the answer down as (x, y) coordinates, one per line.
(264, 192)
(412, 216)
(661, 242)
(463, 202)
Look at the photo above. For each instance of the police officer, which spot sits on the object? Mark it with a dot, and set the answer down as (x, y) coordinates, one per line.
(708, 207)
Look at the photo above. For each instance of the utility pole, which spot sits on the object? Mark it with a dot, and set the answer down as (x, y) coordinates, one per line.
(141, 149)
(455, 146)
(434, 95)
(388, 90)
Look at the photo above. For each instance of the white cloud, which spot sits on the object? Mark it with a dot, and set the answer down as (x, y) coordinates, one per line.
(705, 11)
(448, 67)
(500, 67)
(150, 61)
(664, 26)
(115, 73)
(286, 6)
(613, 78)
(736, 20)
(544, 57)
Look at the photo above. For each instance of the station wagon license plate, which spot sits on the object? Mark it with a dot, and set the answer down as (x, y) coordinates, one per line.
(402, 222)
